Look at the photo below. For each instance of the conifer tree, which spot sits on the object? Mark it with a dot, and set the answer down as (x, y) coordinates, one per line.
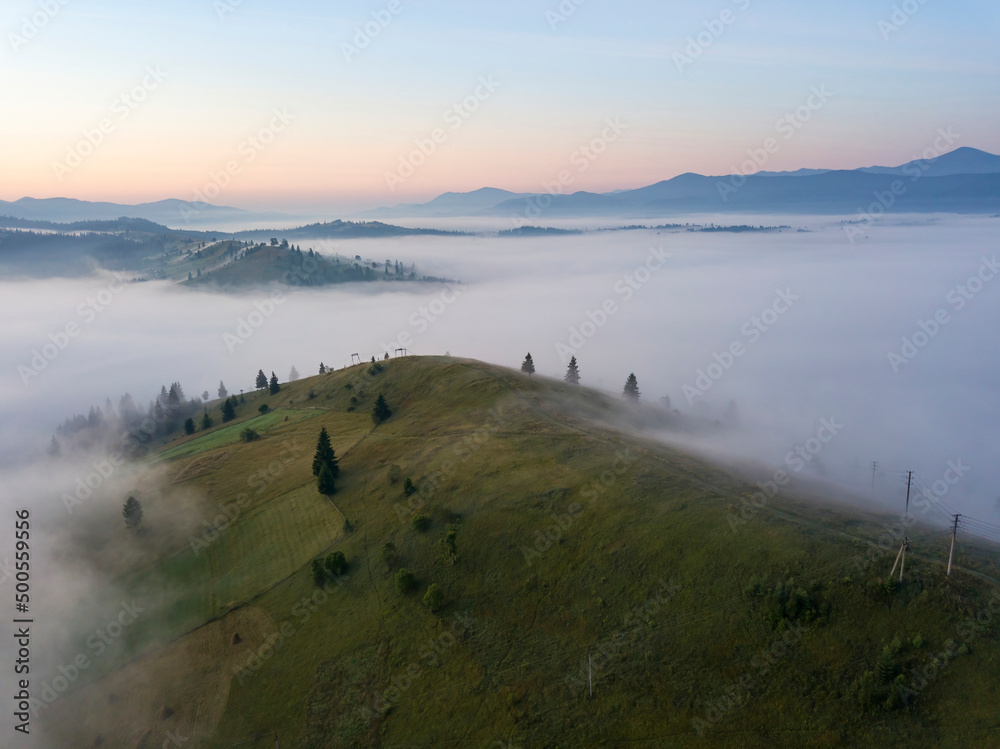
(380, 411)
(223, 393)
(228, 412)
(631, 389)
(325, 482)
(324, 455)
(275, 387)
(528, 366)
(132, 512)
(261, 382)
(572, 372)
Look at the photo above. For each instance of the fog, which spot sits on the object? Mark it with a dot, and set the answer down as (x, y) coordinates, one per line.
(795, 328)
(841, 308)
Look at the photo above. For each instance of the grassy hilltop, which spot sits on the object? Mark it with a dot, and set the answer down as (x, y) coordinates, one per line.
(551, 534)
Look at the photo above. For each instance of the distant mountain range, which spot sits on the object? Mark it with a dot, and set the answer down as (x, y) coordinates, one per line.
(172, 212)
(965, 180)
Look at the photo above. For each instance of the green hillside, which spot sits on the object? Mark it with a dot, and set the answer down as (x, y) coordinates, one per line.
(552, 534)
(264, 264)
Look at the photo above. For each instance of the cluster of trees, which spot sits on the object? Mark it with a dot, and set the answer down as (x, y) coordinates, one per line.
(170, 411)
(334, 565)
(262, 383)
(572, 376)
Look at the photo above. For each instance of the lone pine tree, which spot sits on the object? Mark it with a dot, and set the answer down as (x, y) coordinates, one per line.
(631, 389)
(572, 372)
(132, 512)
(528, 366)
(380, 411)
(324, 455)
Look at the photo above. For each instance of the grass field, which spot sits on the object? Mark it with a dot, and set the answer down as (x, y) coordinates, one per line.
(572, 537)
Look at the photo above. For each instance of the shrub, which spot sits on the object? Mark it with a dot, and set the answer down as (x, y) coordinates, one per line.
(433, 598)
(395, 473)
(249, 435)
(408, 487)
(388, 553)
(405, 581)
(264, 408)
(336, 563)
(319, 577)
(448, 542)
(419, 523)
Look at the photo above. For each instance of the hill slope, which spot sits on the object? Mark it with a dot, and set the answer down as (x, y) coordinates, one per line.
(568, 537)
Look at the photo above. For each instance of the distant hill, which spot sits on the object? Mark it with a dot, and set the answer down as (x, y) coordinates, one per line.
(965, 180)
(963, 160)
(171, 212)
(450, 204)
(339, 229)
(596, 587)
(266, 264)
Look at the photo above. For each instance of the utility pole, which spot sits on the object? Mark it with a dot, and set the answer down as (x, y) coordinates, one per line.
(874, 468)
(898, 555)
(951, 554)
(902, 563)
(909, 478)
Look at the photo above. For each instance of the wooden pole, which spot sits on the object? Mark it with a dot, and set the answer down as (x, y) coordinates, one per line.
(898, 555)
(951, 554)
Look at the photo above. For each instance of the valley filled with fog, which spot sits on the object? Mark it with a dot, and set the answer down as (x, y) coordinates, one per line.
(767, 332)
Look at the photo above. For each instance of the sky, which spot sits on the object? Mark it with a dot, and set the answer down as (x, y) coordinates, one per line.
(305, 107)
